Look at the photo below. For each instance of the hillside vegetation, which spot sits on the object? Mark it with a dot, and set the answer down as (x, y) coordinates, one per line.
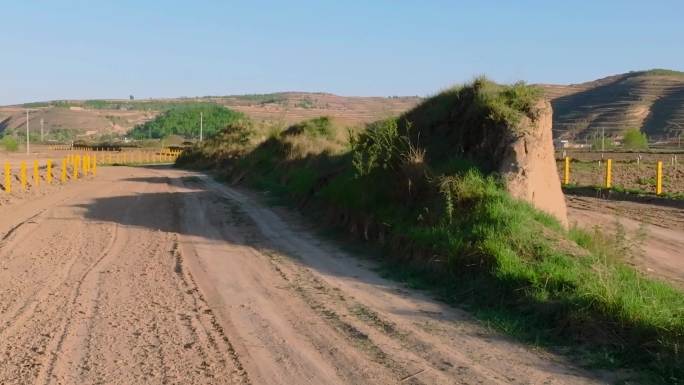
(184, 120)
(92, 119)
(651, 101)
(424, 192)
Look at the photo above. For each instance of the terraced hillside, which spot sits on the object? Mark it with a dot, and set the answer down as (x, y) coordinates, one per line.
(652, 101)
(64, 123)
(97, 117)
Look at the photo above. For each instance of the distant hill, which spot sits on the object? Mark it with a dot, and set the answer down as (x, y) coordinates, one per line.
(652, 101)
(97, 117)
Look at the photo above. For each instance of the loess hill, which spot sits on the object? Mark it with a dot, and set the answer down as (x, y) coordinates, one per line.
(92, 118)
(652, 101)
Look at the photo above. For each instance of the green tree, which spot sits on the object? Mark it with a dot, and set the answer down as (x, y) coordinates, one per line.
(184, 120)
(635, 140)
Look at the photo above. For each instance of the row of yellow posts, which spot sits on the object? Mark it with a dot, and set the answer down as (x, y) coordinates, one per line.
(608, 180)
(71, 167)
(75, 165)
(140, 157)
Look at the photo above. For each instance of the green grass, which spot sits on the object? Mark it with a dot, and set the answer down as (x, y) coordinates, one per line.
(445, 223)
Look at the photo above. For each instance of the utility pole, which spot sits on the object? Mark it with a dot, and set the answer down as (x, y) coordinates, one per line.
(201, 124)
(41, 130)
(27, 133)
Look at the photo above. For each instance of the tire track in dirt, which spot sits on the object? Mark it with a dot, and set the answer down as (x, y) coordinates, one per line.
(280, 339)
(37, 281)
(405, 327)
(165, 332)
(56, 346)
(206, 319)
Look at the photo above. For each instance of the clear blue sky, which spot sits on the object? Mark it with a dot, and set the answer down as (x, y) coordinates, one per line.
(154, 48)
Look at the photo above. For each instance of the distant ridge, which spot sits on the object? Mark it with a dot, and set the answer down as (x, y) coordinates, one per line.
(652, 101)
(92, 118)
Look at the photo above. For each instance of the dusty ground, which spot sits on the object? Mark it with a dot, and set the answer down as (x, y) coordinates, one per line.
(588, 169)
(655, 232)
(160, 276)
(627, 175)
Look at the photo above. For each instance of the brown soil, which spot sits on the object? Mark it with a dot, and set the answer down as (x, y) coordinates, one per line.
(626, 172)
(528, 166)
(160, 276)
(655, 232)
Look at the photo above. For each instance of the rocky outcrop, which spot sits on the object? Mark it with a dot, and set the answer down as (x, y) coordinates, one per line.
(528, 164)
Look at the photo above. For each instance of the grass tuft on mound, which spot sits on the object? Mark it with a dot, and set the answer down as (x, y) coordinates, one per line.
(423, 191)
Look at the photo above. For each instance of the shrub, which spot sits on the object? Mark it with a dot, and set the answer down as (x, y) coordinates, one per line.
(9, 143)
(635, 140)
(316, 127)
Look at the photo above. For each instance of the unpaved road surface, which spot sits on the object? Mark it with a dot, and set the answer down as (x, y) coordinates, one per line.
(654, 232)
(161, 276)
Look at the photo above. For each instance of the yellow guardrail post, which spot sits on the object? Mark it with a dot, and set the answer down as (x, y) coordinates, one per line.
(74, 169)
(63, 171)
(609, 173)
(36, 174)
(8, 178)
(659, 177)
(94, 165)
(566, 171)
(48, 171)
(22, 175)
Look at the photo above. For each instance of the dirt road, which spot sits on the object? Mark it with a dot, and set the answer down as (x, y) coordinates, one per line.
(160, 276)
(654, 232)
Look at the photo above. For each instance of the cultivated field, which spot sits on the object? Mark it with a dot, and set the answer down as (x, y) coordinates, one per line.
(630, 170)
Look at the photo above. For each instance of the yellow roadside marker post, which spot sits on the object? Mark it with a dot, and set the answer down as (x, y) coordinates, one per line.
(8, 178)
(109, 158)
(609, 175)
(74, 168)
(36, 174)
(22, 175)
(86, 165)
(94, 165)
(48, 175)
(124, 158)
(566, 171)
(63, 171)
(659, 177)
